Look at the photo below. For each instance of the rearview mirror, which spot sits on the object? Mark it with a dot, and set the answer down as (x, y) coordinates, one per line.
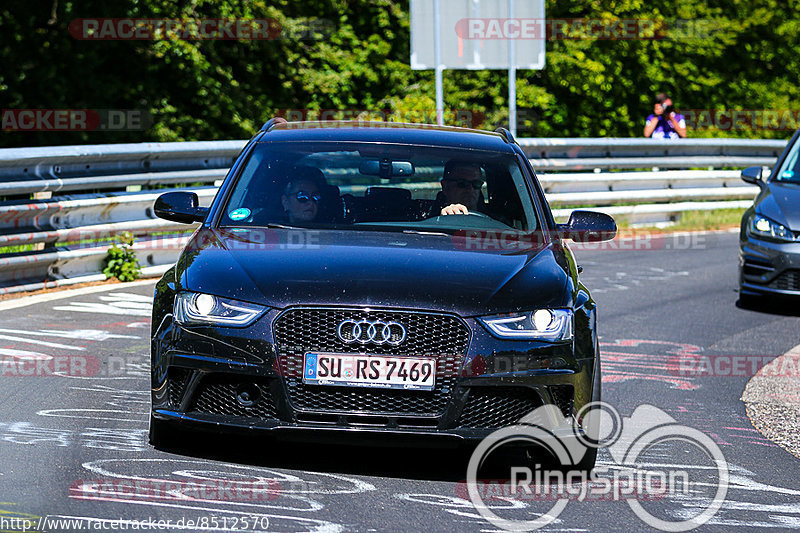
(180, 206)
(752, 175)
(385, 168)
(588, 226)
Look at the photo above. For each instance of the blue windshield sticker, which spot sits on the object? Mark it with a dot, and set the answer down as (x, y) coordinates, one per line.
(788, 174)
(239, 214)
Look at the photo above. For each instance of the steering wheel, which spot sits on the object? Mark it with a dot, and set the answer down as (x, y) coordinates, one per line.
(477, 214)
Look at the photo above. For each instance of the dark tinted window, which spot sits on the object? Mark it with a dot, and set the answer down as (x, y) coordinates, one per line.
(374, 186)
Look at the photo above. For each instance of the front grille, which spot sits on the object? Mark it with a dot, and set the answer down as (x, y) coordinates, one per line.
(496, 408)
(301, 330)
(177, 379)
(787, 281)
(298, 331)
(563, 396)
(363, 400)
(217, 395)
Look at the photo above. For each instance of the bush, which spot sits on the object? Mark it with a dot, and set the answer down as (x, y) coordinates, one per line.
(120, 261)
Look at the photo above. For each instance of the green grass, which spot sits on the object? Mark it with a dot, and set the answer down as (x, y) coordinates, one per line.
(699, 220)
(17, 248)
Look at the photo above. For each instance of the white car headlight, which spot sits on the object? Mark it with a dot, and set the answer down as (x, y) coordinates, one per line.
(542, 324)
(193, 308)
(764, 227)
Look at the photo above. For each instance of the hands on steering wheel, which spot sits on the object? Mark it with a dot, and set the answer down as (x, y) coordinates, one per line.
(461, 209)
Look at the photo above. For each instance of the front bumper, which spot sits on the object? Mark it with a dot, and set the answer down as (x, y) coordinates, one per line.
(769, 267)
(237, 380)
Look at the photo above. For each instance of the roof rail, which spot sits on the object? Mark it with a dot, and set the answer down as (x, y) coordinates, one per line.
(271, 123)
(507, 136)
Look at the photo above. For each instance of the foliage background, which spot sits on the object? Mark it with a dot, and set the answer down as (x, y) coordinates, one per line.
(747, 58)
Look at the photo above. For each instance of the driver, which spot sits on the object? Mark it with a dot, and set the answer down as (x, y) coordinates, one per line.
(461, 189)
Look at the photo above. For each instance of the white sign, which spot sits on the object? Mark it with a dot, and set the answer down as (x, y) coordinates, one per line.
(478, 34)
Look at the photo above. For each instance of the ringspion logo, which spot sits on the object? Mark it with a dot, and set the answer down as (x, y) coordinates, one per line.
(567, 440)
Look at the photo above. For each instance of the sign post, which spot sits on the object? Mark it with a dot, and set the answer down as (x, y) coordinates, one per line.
(478, 35)
(512, 77)
(437, 45)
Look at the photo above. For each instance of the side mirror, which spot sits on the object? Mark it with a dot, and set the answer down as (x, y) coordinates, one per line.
(180, 206)
(753, 175)
(588, 226)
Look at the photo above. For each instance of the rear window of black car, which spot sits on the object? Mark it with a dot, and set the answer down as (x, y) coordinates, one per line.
(369, 186)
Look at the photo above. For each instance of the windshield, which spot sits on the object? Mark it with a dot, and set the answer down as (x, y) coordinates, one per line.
(790, 169)
(377, 186)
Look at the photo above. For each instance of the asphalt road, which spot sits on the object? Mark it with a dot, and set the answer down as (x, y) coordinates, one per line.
(73, 446)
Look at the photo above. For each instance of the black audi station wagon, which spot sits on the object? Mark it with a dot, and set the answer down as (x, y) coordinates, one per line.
(373, 278)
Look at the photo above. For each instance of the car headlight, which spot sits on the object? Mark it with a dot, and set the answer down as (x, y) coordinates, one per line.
(542, 324)
(193, 308)
(764, 227)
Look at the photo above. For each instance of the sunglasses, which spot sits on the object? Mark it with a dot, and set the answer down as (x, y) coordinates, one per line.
(465, 184)
(305, 197)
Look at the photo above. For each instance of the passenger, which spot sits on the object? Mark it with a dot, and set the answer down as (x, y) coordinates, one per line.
(461, 189)
(303, 193)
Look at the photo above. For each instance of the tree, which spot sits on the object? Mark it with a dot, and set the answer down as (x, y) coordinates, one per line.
(352, 55)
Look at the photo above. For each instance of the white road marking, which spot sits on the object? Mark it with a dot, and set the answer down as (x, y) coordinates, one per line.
(24, 354)
(90, 414)
(83, 334)
(128, 296)
(92, 307)
(118, 303)
(41, 343)
(70, 293)
(292, 489)
(125, 440)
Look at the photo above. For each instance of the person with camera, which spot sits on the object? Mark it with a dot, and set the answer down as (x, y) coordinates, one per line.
(665, 122)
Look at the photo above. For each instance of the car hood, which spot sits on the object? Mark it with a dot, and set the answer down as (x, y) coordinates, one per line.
(281, 268)
(781, 203)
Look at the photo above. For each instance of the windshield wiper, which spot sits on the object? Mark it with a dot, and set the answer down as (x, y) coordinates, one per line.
(423, 232)
(282, 226)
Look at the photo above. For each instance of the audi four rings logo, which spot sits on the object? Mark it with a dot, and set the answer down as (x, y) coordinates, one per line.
(366, 331)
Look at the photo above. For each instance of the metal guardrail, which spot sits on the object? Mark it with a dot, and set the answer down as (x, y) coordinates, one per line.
(610, 153)
(108, 178)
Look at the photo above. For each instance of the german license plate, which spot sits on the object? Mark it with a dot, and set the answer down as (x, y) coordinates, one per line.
(414, 373)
